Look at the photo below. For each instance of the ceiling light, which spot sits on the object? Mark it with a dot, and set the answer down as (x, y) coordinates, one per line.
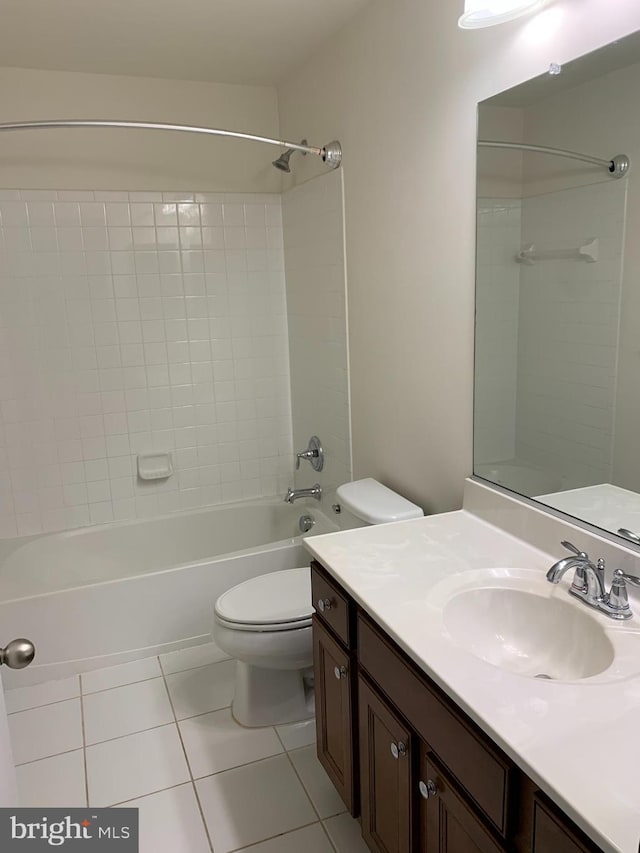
(486, 13)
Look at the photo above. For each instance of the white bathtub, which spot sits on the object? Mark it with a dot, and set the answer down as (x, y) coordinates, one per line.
(104, 595)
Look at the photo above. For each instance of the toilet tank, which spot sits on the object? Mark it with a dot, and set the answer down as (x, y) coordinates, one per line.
(371, 502)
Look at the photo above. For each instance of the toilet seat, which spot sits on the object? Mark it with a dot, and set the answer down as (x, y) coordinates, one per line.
(279, 601)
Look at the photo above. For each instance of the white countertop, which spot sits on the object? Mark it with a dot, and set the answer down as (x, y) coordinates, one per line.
(579, 741)
(604, 505)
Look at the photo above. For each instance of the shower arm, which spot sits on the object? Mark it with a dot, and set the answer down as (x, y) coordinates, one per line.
(331, 154)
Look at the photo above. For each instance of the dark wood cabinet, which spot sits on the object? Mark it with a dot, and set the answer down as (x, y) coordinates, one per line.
(486, 775)
(448, 824)
(552, 833)
(385, 774)
(335, 718)
(425, 777)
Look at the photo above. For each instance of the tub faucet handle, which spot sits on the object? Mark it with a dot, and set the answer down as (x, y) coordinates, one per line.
(314, 454)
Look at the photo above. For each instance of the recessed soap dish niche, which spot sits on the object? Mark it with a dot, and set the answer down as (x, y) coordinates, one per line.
(155, 466)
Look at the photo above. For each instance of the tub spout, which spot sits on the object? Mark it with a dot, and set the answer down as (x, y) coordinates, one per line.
(293, 494)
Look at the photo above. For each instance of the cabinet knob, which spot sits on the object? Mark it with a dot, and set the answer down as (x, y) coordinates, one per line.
(428, 789)
(324, 604)
(340, 672)
(398, 750)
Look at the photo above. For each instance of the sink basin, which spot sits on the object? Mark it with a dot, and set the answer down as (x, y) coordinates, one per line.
(528, 634)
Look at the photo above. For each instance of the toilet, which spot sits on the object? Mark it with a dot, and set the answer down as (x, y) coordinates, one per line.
(265, 622)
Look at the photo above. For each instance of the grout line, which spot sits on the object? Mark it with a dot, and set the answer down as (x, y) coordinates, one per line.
(203, 714)
(84, 743)
(161, 674)
(149, 794)
(304, 788)
(333, 844)
(44, 705)
(272, 837)
(238, 766)
(329, 838)
(279, 738)
(45, 757)
(186, 758)
(115, 686)
(191, 668)
(118, 686)
(130, 734)
(321, 820)
(150, 729)
(188, 668)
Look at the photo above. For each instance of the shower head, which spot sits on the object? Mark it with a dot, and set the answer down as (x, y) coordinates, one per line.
(282, 162)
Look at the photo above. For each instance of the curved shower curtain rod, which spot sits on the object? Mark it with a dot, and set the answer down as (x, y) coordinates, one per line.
(617, 167)
(331, 154)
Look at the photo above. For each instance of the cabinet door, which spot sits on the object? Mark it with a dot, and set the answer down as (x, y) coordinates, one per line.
(553, 832)
(385, 775)
(335, 719)
(447, 823)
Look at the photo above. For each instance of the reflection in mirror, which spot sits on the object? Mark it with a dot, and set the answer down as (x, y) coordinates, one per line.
(557, 382)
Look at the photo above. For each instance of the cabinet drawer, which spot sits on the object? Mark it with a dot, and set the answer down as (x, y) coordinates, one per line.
(474, 763)
(331, 604)
(553, 832)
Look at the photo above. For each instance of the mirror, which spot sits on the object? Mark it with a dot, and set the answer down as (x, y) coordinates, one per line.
(557, 373)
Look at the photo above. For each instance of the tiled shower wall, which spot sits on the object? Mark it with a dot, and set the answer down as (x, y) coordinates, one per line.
(132, 323)
(568, 333)
(496, 353)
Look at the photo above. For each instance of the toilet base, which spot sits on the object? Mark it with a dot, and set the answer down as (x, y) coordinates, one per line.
(270, 697)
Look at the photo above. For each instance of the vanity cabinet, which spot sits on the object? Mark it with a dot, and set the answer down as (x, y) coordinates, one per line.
(447, 823)
(386, 747)
(422, 776)
(551, 831)
(335, 712)
(335, 670)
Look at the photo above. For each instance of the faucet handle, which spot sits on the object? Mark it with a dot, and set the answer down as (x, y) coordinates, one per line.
(314, 454)
(616, 604)
(620, 575)
(571, 547)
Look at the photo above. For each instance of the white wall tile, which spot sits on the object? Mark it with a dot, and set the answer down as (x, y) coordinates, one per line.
(145, 342)
(568, 334)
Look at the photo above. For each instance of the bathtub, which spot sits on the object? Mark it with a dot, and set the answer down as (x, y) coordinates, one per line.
(104, 595)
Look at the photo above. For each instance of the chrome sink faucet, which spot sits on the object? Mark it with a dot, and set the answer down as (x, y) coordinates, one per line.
(294, 494)
(589, 583)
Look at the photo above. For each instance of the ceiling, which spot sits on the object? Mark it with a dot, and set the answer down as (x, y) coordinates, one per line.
(224, 41)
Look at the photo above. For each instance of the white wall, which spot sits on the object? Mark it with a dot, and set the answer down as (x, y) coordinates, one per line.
(132, 323)
(399, 88)
(317, 320)
(135, 159)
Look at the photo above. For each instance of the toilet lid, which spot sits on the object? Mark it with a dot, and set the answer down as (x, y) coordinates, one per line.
(272, 599)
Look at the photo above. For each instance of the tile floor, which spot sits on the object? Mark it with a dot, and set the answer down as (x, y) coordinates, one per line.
(158, 735)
